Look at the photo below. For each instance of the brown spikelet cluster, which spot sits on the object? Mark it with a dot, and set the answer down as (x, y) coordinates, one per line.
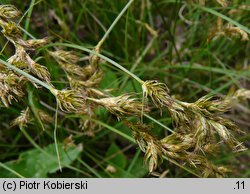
(9, 12)
(11, 83)
(177, 147)
(12, 32)
(84, 81)
(23, 119)
(198, 125)
(158, 92)
(124, 105)
(204, 120)
(84, 94)
(71, 101)
(79, 77)
(10, 87)
(26, 117)
(148, 143)
(228, 30)
(223, 3)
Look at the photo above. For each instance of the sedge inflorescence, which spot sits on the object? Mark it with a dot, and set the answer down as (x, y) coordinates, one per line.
(199, 127)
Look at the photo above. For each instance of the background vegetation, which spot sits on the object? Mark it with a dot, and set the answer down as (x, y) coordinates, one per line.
(189, 45)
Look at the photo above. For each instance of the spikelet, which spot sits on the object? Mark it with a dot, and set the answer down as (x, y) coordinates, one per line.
(64, 56)
(201, 118)
(124, 105)
(241, 94)
(94, 59)
(21, 59)
(87, 125)
(177, 147)
(205, 120)
(227, 30)
(71, 101)
(74, 70)
(33, 43)
(148, 143)
(236, 32)
(11, 31)
(178, 142)
(9, 12)
(10, 87)
(23, 119)
(158, 92)
(223, 3)
(211, 170)
(40, 71)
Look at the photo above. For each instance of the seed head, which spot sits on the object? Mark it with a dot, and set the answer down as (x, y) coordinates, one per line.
(23, 61)
(178, 142)
(10, 87)
(223, 127)
(223, 3)
(202, 118)
(211, 170)
(153, 155)
(33, 43)
(40, 71)
(124, 105)
(11, 31)
(210, 107)
(71, 101)
(65, 56)
(23, 119)
(241, 94)
(236, 32)
(158, 92)
(74, 70)
(148, 143)
(9, 12)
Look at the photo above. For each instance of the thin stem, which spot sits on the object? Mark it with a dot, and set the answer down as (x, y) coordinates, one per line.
(34, 109)
(97, 20)
(138, 61)
(9, 169)
(159, 123)
(113, 24)
(55, 137)
(32, 141)
(27, 22)
(90, 168)
(181, 166)
(114, 130)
